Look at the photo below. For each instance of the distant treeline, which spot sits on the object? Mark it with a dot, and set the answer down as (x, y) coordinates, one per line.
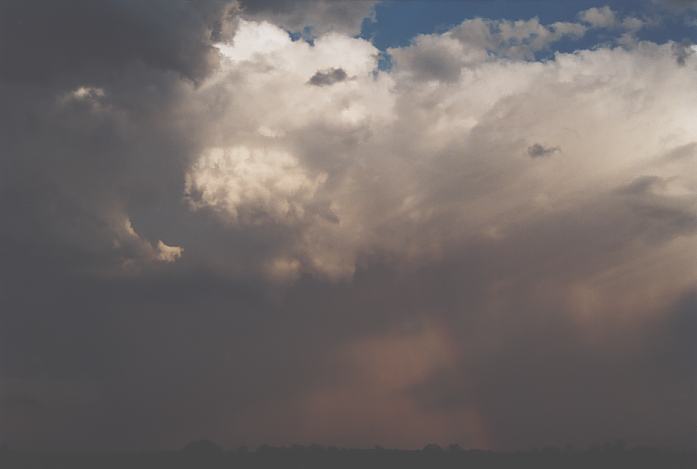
(205, 454)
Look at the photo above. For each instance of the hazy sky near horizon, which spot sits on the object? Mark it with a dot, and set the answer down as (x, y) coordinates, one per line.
(347, 222)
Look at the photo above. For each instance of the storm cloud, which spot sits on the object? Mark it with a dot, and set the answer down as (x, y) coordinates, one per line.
(196, 243)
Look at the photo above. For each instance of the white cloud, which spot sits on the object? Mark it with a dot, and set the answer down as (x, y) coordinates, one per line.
(603, 17)
(84, 92)
(265, 43)
(254, 38)
(267, 182)
(632, 23)
(413, 162)
(167, 253)
(136, 251)
(441, 57)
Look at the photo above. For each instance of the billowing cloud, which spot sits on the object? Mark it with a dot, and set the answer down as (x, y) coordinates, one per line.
(603, 17)
(416, 139)
(167, 253)
(197, 241)
(266, 183)
(442, 56)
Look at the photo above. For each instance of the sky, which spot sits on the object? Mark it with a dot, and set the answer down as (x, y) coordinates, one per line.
(348, 223)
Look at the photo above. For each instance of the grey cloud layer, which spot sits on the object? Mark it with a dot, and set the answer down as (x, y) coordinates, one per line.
(480, 224)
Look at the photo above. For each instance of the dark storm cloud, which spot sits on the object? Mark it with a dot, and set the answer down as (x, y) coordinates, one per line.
(19, 402)
(106, 106)
(585, 393)
(547, 379)
(42, 40)
(328, 77)
(84, 87)
(86, 90)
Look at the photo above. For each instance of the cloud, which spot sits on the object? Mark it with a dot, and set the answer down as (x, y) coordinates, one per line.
(458, 121)
(262, 182)
(328, 77)
(86, 93)
(324, 233)
(633, 24)
(603, 17)
(168, 253)
(57, 40)
(682, 51)
(662, 202)
(424, 162)
(538, 150)
(473, 41)
(20, 402)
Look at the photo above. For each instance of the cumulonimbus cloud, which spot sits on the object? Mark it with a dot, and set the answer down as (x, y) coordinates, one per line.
(185, 215)
(397, 150)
